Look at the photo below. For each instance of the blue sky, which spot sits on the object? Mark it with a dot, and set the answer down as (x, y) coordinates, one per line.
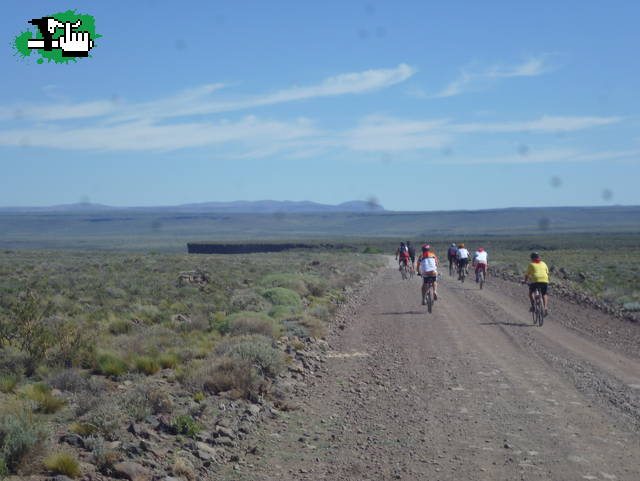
(421, 104)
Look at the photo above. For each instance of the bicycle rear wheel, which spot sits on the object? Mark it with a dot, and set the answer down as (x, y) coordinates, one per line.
(429, 301)
(538, 310)
(481, 275)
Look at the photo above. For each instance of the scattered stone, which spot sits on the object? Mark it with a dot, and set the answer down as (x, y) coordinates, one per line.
(132, 471)
(73, 440)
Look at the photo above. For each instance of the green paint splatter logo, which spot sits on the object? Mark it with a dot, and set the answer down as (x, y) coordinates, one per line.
(60, 38)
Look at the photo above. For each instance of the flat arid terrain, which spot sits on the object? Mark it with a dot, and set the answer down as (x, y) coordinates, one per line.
(472, 391)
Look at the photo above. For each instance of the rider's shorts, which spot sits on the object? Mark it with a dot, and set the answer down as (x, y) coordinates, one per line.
(429, 278)
(541, 286)
(463, 262)
(481, 265)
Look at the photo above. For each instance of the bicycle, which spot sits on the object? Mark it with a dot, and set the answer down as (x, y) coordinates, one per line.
(538, 308)
(429, 295)
(404, 271)
(462, 272)
(452, 264)
(481, 277)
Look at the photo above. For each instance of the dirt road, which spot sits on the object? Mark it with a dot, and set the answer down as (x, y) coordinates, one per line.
(470, 392)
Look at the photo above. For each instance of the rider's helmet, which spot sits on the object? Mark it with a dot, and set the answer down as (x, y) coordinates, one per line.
(480, 249)
(535, 255)
(426, 247)
(460, 246)
(453, 244)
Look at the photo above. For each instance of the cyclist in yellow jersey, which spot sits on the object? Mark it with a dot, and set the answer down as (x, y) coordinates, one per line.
(538, 277)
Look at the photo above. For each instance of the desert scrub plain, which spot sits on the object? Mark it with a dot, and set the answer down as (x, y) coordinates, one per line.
(124, 365)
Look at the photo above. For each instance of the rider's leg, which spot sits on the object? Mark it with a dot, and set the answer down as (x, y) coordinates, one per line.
(531, 298)
(424, 292)
(435, 290)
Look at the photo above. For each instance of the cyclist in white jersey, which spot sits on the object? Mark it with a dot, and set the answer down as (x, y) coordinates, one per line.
(480, 261)
(463, 257)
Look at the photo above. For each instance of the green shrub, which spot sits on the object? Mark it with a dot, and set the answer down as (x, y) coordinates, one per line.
(110, 365)
(168, 360)
(105, 419)
(226, 374)
(83, 429)
(315, 326)
(283, 312)
(146, 365)
(8, 382)
(220, 323)
(20, 433)
(303, 284)
(120, 326)
(295, 282)
(13, 360)
(248, 300)
(293, 328)
(184, 424)
(281, 296)
(198, 397)
(103, 457)
(146, 399)
(63, 463)
(632, 306)
(373, 250)
(45, 400)
(255, 349)
(252, 323)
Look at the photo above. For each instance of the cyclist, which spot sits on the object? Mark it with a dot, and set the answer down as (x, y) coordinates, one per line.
(451, 255)
(538, 277)
(402, 255)
(412, 252)
(427, 267)
(480, 262)
(462, 256)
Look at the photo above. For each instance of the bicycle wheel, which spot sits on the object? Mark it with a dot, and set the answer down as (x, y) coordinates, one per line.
(403, 273)
(429, 300)
(540, 311)
(462, 274)
(481, 276)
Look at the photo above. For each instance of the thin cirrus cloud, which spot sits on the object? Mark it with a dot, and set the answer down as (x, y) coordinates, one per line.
(380, 133)
(343, 84)
(548, 156)
(250, 132)
(471, 81)
(198, 101)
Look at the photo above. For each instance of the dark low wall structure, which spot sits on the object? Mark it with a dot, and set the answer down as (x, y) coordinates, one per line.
(204, 248)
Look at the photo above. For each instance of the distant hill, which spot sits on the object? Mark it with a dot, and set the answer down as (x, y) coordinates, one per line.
(172, 228)
(236, 207)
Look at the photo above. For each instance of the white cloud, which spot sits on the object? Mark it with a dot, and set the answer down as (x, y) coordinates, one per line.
(389, 134)
(379, 133)
(145, 136)
(343, 84)
(198, 101)
(546, 123)
(60, 111)
(469, 81)
(546, 156)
